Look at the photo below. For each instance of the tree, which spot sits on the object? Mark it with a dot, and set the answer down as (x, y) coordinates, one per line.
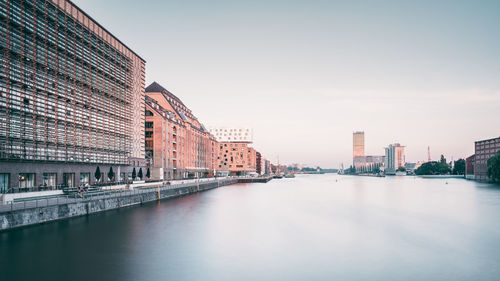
(140, 173)
(97, 173)
(493, 165)
(443, 160)
(459, 167)
(402, 169)
(433, 168)
(134, 174)
(111, 174)
(148, 173)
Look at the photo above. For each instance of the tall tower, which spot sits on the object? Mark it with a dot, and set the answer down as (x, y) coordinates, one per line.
(428, 154)
(358, 144)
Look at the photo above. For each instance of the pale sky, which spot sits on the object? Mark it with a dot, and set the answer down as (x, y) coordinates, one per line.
(306, 74)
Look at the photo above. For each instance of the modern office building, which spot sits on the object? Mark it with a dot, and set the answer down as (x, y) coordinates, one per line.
(358, 144)
(484, 150)
(177, 145)
(71, 98)
(394, 158)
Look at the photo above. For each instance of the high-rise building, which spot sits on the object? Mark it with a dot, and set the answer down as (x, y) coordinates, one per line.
(177, 145)
(71, 97)
(394, 158)
(358, 144)
(361, 162)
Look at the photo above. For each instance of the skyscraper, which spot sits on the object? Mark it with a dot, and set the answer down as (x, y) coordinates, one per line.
(358, 144)
(71, 97)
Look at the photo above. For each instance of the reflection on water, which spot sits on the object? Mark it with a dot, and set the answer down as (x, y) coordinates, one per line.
(312, 227)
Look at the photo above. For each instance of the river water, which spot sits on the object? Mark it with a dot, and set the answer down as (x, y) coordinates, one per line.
(312, 227)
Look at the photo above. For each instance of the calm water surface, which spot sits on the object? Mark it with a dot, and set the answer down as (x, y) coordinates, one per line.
(313, 227)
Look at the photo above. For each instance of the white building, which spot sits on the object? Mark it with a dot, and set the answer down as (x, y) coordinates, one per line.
(225, 134)
(394, 158)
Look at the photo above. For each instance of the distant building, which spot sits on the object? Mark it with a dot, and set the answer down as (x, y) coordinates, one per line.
(394, 158)
(358, 144)
(366, 164)
(360, 162)
(235, 158)
(411, 167)
(259, 163)
(469, 167)
(226, 134)
(267, 167)
(485, 149)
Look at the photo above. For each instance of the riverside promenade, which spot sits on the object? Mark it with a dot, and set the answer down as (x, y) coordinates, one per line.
(36, 211)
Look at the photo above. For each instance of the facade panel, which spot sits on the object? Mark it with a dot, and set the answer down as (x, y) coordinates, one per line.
(69, 91)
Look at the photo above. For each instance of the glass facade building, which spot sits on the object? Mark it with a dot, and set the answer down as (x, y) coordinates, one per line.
(70, 92)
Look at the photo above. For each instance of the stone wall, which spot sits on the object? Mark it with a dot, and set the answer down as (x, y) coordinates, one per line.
(80, 207)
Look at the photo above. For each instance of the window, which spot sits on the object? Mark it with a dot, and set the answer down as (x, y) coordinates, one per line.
(149, 125)
(26, 180)
(69, 179)
(4, 183)
(49, 180)
(84, 178)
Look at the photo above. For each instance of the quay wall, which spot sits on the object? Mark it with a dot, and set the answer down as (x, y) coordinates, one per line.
(73, 207)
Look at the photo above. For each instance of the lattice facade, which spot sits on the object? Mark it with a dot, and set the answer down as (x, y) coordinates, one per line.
(69, 90)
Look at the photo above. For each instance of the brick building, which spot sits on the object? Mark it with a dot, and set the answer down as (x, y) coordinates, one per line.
(484, 150)
(177, 145)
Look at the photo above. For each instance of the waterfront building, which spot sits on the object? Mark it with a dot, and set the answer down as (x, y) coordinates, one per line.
(259, 169)
(235, 158)
(71, 98)
(227, 134)
(394, 158)
(267, 167)
(358, 144)
(367, 164)
(234, 155)
(411, 167)
(177, 145)
(361, 162)
(484, 150)
(469, 167)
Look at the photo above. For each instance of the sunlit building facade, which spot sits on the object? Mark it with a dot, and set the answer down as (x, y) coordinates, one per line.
(177, 145)
(358, 144)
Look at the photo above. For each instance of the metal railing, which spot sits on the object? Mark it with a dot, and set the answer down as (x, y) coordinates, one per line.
(28, 203)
